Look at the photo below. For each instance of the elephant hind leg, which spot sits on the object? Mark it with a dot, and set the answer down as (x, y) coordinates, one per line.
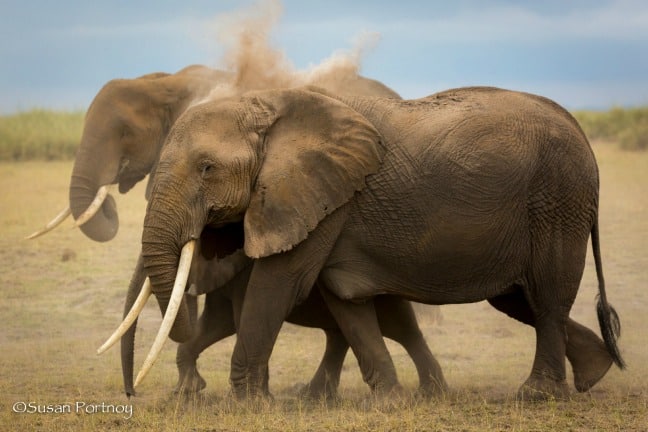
(398, 322)
(547, 377)
(359, 325)
(585, 351)
(553, 279)
(326, 380)
(588, 356)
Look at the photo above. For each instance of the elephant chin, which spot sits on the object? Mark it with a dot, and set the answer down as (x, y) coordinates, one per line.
(103, 226)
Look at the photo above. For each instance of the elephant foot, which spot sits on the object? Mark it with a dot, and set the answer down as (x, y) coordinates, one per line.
(318, 392)
(387, 392)
(388, 401)
(190, 381)
(541, 388)
(251, 401)
(434, 388)
(589, 358)
(245, 392)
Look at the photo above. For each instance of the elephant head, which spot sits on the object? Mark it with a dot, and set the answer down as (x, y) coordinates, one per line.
(272, 162)
(123, 132)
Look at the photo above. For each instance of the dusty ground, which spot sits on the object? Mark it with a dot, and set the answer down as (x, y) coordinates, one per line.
(62, 294)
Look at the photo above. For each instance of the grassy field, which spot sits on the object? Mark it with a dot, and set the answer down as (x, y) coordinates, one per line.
(40, 135)
(62, 294)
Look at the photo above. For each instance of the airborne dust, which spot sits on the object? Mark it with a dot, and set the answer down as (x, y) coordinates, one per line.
(258, 65)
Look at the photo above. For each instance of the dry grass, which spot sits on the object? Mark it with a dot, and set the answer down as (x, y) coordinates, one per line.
(56, 311)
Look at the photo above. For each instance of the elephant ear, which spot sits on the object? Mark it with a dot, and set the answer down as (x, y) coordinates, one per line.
(316, 153)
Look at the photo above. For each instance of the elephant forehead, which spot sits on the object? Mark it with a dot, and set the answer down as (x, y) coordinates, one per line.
(221, 149)
(209, 122)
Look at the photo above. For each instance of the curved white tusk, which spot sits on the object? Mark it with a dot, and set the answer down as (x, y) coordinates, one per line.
(52, 224)
(172, 309)
(94, 206)
(132, 315)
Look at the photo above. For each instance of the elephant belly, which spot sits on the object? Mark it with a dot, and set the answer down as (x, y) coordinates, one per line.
(347, 283)
(465, 259)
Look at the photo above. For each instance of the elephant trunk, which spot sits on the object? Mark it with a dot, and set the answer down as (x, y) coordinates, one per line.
(161, 254)
(128, 339)
(91, 171)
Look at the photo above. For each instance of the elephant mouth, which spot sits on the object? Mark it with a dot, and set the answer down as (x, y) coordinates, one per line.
(221, 241)
(126, 182)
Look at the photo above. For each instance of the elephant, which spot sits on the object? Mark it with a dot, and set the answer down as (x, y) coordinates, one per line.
(124, 129)
(470, 194)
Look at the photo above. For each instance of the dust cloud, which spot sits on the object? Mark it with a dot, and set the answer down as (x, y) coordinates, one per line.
(257, 65)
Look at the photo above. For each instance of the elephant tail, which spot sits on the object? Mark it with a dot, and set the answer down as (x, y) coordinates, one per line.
(607, 317)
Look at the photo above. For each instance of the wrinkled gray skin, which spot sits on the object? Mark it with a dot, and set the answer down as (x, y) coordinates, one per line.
(467, 195)
(124, 129)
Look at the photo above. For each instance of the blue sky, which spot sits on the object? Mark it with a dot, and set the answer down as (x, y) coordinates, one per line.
(581, 53)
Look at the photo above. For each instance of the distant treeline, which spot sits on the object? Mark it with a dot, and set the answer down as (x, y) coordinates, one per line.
(54, 135)
(627, 127)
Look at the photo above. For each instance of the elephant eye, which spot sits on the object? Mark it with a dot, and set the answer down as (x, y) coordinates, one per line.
(125, 132)
(207, 169)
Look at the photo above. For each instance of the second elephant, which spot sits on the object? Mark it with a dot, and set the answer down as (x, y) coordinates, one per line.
(226, 283)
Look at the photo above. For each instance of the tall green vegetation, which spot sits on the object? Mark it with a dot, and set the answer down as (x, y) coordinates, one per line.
(626, 126)
(54, 135)
(40, 135)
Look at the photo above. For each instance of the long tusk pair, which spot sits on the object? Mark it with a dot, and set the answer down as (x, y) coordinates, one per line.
(92, 209)
(175, 301)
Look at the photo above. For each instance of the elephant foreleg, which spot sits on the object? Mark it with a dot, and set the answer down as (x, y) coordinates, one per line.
(585, 351)
(215, 323)
(398, 322)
